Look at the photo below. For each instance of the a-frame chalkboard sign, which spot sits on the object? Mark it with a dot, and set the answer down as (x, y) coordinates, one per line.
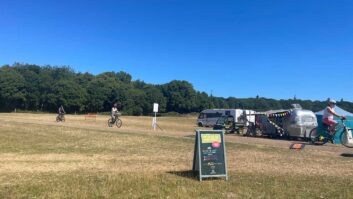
(210, 159)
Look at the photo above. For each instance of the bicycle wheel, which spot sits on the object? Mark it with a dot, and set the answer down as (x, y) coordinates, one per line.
(318, 138)
(57, 119)
(344, 137)
(110, 122)
(119, 123)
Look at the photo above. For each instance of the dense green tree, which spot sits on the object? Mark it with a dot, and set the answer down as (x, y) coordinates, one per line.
(68, 94)
(202, 102)
(219, 102)
(12, 89)
(181, 96)
(134, 103)
(101, 93)
(83, 79)
(154, 94)
(30, 73)
(32, 87)
(123, 77)
(232, 102)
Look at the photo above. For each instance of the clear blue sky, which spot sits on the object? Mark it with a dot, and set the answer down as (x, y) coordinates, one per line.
(240, 48)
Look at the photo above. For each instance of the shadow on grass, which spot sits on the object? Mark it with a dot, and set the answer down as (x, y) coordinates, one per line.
(186, 174)
(189, 136)
(347, 155)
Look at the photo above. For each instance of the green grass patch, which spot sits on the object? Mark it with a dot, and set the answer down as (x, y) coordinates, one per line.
(37, 139)
(174, 185)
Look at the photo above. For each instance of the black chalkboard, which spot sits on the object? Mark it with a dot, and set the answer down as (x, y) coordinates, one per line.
(209, 154)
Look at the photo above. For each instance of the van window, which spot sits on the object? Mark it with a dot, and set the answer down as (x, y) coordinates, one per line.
(227, 112)
(213, 115)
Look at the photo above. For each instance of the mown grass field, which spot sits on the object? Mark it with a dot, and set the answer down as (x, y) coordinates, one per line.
(40, 158)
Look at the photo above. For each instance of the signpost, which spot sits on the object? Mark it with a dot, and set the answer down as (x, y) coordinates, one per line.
(154, 120)
(210, 159)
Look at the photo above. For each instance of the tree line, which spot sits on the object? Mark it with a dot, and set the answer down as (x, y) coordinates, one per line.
(44, 88)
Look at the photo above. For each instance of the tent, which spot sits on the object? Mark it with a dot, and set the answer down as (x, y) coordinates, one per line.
(339, 111)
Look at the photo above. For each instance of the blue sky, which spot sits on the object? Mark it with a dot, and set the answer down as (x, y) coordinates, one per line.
(242, 48)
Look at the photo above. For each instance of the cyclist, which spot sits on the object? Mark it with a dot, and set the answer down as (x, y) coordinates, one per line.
(61, 111)
(329, 112)
(114, 112)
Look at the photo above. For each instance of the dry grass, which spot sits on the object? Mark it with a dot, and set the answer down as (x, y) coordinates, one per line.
(85, 159)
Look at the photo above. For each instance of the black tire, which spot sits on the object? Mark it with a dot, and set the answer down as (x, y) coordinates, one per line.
(118, 123)
(199, 124)
(60, 118)
(227, 131)
(110, 122)
(343, 139)
(317, 138)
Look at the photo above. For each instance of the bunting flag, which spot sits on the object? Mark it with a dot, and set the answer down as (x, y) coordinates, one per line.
(279, 115)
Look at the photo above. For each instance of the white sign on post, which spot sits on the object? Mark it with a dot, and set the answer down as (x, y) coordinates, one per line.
(155, 107)
(154, 120)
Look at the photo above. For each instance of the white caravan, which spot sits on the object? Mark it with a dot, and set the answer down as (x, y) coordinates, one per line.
(209, 117)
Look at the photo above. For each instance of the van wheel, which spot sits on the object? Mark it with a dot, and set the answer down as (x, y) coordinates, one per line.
(200, 124)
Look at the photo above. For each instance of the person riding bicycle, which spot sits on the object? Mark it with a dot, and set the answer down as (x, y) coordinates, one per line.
(329, 112)
(61, 111)
(114, 112)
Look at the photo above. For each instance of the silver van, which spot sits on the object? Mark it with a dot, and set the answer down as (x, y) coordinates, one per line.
(209, 117)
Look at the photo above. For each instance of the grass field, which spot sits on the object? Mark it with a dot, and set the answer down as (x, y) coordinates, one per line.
(40, 158)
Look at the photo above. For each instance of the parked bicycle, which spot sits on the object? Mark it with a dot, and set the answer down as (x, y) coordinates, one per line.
(320, 137)
(116, 120)
(60, 118)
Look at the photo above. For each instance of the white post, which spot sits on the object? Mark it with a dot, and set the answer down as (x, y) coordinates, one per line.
(154, 120)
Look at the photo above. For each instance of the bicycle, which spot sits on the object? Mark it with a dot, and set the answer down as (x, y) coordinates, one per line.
(60, 118)
(117, 121)
(328, 135)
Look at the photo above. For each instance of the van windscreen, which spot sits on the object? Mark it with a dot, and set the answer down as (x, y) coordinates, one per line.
(201, 116)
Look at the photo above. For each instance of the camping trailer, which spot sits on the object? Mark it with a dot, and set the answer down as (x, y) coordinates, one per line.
(209, 117)
(300, 123)
(295, 122)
